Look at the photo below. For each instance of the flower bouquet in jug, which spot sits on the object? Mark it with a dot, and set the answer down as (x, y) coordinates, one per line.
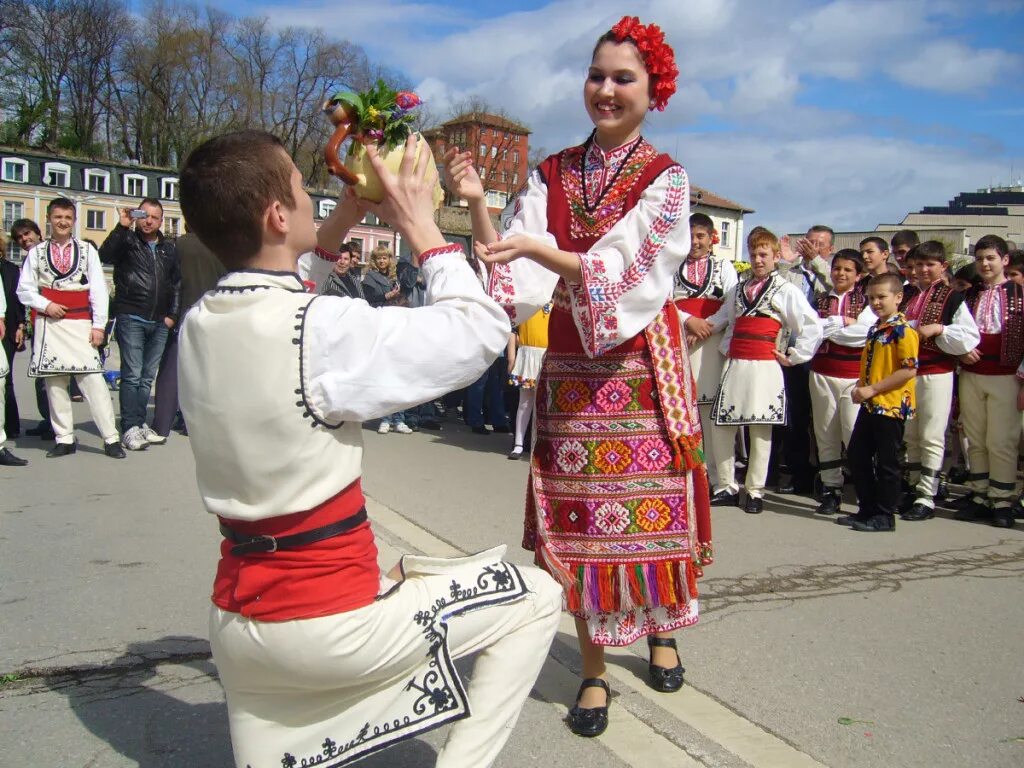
(381, 116)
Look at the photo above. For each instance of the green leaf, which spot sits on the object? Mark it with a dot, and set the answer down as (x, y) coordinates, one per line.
(851, 721)
(352, 99)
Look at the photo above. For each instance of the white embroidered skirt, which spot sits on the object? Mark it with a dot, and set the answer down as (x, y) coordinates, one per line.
(752, 392)
(527, 366)
(61, 347)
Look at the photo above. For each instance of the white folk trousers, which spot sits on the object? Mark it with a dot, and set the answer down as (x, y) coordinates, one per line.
(988, 409)
(925, 434)
(96, 394)
(757, 459)
(719, 442)
(291, 685)
(834, 414)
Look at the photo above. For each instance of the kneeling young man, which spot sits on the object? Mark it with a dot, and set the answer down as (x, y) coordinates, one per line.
(319, 663)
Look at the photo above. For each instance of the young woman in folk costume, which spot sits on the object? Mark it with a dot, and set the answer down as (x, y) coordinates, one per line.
(617, 507)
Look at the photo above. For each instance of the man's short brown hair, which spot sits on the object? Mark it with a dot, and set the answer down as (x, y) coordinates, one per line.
(890, 280)
(227, 184)
(763, 237)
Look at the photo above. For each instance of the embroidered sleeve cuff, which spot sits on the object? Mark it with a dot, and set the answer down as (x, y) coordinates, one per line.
(326, 255)
(453, 248)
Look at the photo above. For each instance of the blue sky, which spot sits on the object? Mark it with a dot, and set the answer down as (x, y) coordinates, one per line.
(849, 112)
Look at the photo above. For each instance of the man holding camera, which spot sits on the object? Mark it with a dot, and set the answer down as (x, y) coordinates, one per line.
(147, 298)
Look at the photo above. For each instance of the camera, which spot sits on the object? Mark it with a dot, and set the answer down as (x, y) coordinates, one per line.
(138, 213)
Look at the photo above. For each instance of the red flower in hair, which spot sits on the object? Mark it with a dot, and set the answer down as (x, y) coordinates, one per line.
(658, 57)
(714, 237)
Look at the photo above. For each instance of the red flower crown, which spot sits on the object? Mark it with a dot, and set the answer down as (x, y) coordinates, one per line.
(658, 56)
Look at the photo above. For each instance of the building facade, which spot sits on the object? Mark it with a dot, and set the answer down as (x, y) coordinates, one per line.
(728, 219)
(29, 179)
(501, 149)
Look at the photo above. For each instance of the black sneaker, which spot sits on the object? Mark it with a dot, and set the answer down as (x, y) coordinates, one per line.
(918, 512)
(1002, 517)
(754, 506)
(114, 450)
(831, 502)
(723, 498)
(876, 524)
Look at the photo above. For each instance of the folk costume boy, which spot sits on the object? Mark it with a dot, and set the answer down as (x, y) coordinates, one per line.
(701, 284)
(62, 281)
(946, 330)
(885, 392)
(845, 320)
(318, 665)
(758, 313)
(989, 387)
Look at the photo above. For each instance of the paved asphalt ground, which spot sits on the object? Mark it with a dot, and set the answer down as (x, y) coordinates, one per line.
(917, 636)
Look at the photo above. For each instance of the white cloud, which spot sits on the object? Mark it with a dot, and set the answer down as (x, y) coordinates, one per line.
(947, 65)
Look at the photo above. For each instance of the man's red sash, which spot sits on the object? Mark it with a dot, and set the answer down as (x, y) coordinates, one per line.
(77, 303)
(753, 338)
(703, 308)
(990, 348)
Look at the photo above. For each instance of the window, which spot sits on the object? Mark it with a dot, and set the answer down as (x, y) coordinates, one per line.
(95, 220)
(324, 208)
(172, 226)
(97, 180)
(725, 234)
(494, 151)
(15, 169)
(12, 212)
(504, 154)
(496, 199)
(169, 188)
(515, 179)
(57, 174)
(483, 150)
(504, 177)
(515, 156)
(134, 185)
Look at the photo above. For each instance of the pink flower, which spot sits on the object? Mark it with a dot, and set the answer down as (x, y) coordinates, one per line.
(407, 100)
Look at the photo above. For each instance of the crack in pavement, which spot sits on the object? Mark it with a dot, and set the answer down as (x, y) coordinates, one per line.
(1004, 559)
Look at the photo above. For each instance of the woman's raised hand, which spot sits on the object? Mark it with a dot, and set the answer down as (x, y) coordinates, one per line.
(504, 251)
(460, 177)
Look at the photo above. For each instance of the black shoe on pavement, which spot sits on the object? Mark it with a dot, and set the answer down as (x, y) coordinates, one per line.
(964, 502)
(114, 450)
(876, 524)
(723, 498)
(664, 679)
(42, 430)
(1002, 517)
(8, 459)
(61, 449)
(906, 502)
(594, 720)
(831, 502)
(942, 492)
(481, 430)
(516, 453)
(754, 506)
(918, 512)
(846, 520)
(975, 510)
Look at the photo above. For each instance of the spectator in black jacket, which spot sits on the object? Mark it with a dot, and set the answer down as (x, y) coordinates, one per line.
(13, 339)
(147, 298)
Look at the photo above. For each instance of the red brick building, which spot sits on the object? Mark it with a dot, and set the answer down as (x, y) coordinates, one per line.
(501, 149)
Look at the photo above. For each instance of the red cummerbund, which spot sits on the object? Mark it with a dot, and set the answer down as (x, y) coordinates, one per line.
(703, 308)
(837, 361)
(563, 336)
(319, 579)
(931, 362)
(77, 302)
(753, 338)
(991, 349)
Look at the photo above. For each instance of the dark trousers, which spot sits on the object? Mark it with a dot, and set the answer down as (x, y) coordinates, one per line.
(874, 460)
(797, 443)
(12, 420)
(167, 388)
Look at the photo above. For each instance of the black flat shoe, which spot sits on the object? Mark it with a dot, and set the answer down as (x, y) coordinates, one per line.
(754, 506)
(846, 520)
(61, 449)
(1003, 518)
(831, 502)
(725, 499)
(8, 459)
(918, 512)
(590, 722)
(663, 679)
(114, 450)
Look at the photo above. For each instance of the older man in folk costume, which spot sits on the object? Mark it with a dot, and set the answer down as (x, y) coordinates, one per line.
(63, 283)
(762, 313)
(699, 289)
(322, 662)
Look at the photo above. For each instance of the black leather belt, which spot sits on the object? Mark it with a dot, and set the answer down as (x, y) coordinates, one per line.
(245, 545)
